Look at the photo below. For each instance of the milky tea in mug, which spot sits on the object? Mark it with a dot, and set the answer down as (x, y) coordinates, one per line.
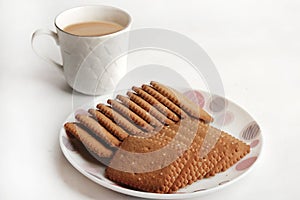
(93, 28)
(90, 39)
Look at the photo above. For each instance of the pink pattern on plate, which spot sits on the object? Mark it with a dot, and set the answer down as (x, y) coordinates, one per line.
(254, 143)
(217, 104)
(225, 119)
(196, 97)
(245, 164)
(251, 131)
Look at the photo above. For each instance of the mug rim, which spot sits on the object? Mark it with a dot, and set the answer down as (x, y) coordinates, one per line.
(101, 36)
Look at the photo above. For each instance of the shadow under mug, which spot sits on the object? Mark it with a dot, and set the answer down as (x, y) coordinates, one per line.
(89, 65)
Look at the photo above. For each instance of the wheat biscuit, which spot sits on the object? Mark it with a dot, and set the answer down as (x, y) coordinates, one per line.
(235, 151)
(193, 167)
(177, 137)
(220, 154)
(225, 146)
(149, 108)
(99, 130)
(183, 102)
(88, 141)
(165, 101)
(217, 159)
(154, 102)
(137, 144)
(213, 151)
(109, 124)
(131, 116)
(139, 111)
(158, 181)
(119, 119)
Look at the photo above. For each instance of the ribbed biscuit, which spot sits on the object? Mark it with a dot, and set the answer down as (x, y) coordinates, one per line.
(149, 108)
(158, 181)
(87, 140)
(154, 102)
(99, 130)
(119, 119)
(183, 102)
(109, 124)
(139, 111)
(131, 116)
(165, 101)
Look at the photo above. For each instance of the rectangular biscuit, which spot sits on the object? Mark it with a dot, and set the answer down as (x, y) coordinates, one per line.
(236, 150)
(197, 165)
(139, 111)
(184, 103)
(142, 173)
(226, 151)
(155, 103)
(119, 119)
(153, 111)
(164, 100)
(98, 130)
(130, 115)
(87, 140)
(113, 128)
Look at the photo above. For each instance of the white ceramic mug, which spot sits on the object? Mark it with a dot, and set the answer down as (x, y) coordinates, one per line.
(85, 66)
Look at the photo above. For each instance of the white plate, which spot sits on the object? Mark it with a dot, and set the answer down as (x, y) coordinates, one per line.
(237, 122)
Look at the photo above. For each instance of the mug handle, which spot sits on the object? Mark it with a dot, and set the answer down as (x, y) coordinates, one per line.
(52, 34)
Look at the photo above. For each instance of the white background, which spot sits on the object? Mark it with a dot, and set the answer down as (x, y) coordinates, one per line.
(254, 44)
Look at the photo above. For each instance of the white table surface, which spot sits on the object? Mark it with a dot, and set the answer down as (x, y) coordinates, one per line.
(254, 44)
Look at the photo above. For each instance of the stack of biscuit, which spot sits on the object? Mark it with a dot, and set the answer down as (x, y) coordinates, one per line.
(156, 140)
